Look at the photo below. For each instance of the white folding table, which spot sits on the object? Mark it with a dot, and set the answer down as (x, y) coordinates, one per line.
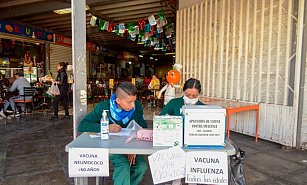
(117, 145)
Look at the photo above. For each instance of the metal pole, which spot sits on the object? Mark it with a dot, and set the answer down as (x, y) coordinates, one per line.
(298, 79)
(78, 19)
(47, 58)
(301, 97)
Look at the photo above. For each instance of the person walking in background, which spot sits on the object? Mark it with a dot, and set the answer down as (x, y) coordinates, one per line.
(61, 81)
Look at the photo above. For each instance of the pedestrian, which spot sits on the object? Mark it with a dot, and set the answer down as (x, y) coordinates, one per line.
(61, 81)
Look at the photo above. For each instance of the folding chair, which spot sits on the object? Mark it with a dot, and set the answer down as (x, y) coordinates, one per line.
(28, 92)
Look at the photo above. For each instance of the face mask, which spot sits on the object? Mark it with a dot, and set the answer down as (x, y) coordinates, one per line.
(189, 101)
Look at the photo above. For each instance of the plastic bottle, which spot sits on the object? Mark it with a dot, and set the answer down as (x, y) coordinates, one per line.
(104, 125)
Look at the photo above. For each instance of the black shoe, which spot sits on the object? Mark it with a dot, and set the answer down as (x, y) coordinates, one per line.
(54, 118)
(66, 117)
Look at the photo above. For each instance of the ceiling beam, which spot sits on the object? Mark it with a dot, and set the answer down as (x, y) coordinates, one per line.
(55, 24)
(60, 26)
(98, 14)
(126, 4)
(137, 17)
(94, 3)
(11, 3)
(40, 17)
(51, 20)
(120, 8)
(6, 13)
(136, 12)
(64, 30)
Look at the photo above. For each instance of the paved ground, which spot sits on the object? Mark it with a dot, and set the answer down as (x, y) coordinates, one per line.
(32, 153)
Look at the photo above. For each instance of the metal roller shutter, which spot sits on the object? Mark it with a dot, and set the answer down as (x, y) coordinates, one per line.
(59, 54)
(62, 54)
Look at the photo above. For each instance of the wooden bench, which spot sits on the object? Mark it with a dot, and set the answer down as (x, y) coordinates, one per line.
(233, 107)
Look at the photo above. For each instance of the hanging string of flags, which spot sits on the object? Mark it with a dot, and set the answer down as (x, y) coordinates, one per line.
(153, 32)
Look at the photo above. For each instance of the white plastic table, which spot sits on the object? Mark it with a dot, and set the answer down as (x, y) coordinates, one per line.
(117, 145)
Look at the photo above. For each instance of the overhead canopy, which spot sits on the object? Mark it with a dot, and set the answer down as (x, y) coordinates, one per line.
(39, 13)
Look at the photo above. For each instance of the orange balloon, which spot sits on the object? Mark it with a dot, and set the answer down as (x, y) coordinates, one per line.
(173, 76)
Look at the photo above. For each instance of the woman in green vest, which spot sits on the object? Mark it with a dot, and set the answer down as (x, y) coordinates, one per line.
(191, 91)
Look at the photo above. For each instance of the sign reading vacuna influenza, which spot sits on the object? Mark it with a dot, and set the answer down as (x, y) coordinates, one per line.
(25, 31)
(88, 162)
(206, 167)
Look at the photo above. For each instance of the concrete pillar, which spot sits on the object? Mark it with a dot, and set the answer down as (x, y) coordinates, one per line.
(78, 20)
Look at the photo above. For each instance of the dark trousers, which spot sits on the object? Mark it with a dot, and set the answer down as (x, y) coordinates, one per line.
(63, 99)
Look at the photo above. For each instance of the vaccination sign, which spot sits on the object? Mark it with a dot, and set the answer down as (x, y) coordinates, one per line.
(167, 165)
(204, 127)
(206, 167)
(88, 162)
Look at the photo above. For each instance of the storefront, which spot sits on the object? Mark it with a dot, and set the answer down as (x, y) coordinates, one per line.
(23, 48)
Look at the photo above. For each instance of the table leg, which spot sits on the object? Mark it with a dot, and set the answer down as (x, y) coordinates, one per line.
(81, 181)
(257, 124)
(97, 180)
(176, 182)
(228, 125)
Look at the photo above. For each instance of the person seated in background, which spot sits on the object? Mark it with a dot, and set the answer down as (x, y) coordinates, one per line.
(191, 91)
(19, 85)
(1, 84)
(153, 85)
(140, 80)
(3, 81)
(122, 108)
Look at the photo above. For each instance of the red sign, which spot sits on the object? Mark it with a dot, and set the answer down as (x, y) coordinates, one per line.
(66, 41)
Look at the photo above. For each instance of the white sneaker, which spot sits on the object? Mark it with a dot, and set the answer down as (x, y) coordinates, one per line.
(2, 114)
(9, 111)
(17, 114)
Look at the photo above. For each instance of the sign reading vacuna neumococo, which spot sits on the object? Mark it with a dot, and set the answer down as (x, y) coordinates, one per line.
(88, 162)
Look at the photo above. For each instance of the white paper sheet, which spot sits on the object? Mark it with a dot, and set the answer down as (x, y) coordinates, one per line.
(123, 132)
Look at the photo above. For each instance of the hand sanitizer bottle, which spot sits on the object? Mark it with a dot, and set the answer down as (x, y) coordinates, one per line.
(104, 125)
